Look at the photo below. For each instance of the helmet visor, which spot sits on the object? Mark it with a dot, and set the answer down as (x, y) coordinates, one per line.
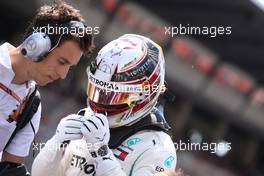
(111, 93)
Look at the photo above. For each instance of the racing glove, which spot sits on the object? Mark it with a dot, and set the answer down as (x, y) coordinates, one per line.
(69, 128)
(96, 133)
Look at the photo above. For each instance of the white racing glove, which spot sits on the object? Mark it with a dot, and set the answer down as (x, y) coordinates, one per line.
(96, 131)
(69, 128)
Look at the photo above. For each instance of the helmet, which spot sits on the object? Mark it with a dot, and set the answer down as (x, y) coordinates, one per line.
(126, 79)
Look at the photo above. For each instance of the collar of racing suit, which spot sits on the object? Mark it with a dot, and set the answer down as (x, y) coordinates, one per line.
(154, 121)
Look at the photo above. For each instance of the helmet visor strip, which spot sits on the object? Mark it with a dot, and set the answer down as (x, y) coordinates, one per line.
(112, 93)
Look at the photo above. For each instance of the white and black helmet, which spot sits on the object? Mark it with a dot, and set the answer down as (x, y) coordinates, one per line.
(126, 79)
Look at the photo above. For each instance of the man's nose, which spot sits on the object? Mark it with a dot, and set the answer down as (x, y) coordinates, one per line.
(63, 72)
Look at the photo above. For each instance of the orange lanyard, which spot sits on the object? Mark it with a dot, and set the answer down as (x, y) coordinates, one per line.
(10, 92)
(14, 116)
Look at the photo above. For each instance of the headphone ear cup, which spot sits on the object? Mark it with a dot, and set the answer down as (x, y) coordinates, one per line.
(36, 45)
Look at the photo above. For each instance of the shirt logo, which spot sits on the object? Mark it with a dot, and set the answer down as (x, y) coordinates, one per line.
(122, 152)
(31, 45)
(81, 163)
(168, 162)
(159, 169)
(133, 141)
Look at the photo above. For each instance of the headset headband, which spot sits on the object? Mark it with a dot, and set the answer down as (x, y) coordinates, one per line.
(38, 44)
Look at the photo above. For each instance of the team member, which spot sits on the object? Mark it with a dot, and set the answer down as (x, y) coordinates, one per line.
(124, 87)
(45, 55)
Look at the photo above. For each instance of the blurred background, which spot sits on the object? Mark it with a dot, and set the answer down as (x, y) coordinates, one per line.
(217, 81)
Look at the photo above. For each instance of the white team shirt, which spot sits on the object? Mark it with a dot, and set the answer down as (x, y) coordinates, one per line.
(21, 143)
(142, 154)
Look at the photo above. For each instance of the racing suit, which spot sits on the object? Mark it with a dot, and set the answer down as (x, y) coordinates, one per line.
(142, 154)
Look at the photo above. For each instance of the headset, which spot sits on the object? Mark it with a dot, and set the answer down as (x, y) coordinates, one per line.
(38, 44)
